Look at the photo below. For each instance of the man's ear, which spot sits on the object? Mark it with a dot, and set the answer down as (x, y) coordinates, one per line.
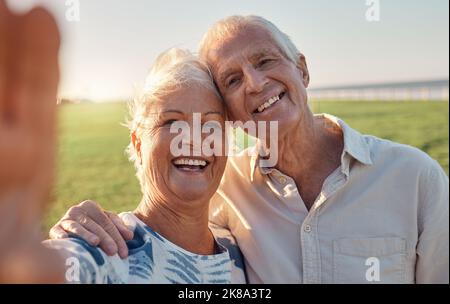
(137, 144)
(303, 67)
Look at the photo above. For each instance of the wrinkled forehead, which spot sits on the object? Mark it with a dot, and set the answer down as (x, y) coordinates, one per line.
(235, 48)
(187, 99)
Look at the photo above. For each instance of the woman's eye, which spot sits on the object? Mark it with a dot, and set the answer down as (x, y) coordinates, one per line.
(211, 124)
(169, 122)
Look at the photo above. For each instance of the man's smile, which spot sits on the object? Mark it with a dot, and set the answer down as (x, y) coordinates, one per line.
(269, 104)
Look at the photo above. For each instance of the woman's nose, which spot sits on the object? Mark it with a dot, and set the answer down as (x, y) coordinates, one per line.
(194, 137)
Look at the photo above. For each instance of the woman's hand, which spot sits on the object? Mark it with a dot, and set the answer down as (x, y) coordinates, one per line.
(29, 76)
(96, 226)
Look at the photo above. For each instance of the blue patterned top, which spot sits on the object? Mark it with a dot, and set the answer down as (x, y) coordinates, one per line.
(151, 259)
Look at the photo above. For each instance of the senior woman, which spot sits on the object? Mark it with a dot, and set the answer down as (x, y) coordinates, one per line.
(172, 240)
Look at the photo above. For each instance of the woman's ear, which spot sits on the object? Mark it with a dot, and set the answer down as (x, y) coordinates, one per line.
(137, 145)
(303, 67)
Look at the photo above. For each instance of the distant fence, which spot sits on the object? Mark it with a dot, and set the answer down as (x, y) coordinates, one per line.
(425, 90)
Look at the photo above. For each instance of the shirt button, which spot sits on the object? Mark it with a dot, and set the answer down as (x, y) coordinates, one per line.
(307, 228)
(282, 180)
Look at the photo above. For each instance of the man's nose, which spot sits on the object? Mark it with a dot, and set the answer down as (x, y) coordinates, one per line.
(255, 81)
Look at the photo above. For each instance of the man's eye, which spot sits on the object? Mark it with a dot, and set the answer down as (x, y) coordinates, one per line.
(232, 81)
(264, 62)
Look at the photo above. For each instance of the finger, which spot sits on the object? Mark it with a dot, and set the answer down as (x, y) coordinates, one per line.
(77, 229)
(4, 16)
(94, 211)
(37, 70)
(38, 82)
(56, 232)
(10, 32)
(106, 242)
(24, 68)
(117, 238)
(126, 233)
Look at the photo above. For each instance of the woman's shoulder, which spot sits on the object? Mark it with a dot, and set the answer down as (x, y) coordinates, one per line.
(88, 264)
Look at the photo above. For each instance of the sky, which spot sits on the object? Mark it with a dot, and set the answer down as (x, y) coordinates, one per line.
(107, 53)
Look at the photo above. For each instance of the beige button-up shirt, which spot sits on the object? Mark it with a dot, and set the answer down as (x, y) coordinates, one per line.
(381, 217)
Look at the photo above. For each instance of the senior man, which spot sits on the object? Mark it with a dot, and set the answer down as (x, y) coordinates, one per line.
(338, 207)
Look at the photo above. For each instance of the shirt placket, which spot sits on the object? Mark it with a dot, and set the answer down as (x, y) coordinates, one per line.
(310, 245)
(310, 249)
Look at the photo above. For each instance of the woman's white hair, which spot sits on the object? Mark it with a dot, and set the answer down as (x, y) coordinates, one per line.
(229, 26)
(172, 70)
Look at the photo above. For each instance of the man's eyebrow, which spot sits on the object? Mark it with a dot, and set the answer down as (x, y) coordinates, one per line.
(254, 57)
(263, 52)
(224, 75)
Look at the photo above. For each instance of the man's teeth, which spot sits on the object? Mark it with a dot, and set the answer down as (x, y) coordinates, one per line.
(268, 103)
(190, 162)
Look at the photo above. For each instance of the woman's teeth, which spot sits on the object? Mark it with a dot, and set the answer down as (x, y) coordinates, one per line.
(269, 103)
(190, 164)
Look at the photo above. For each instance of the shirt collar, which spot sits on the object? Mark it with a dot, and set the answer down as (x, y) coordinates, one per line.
(355, 146)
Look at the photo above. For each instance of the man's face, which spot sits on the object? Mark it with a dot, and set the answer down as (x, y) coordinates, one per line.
(257, 81)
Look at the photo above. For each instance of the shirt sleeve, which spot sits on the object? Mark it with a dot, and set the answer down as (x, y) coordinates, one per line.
(85, 264)
(218, 212)
(432, 264)
(224, 237)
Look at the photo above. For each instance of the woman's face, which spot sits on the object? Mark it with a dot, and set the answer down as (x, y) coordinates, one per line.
(186, 177)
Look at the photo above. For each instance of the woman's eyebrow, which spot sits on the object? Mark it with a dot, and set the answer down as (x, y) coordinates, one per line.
(164, 112)
(213, 112)
(179, 112)
(171, 111)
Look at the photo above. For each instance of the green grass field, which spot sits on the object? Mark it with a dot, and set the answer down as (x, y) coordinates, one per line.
(92, 163)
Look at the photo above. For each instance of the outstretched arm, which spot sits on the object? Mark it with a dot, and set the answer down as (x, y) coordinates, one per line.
(29, 76)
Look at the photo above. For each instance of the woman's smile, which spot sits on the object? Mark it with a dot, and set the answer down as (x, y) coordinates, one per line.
(191, 165)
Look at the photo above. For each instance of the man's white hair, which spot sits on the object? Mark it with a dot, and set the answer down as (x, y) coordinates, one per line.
(229, 26)
(172, 70)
